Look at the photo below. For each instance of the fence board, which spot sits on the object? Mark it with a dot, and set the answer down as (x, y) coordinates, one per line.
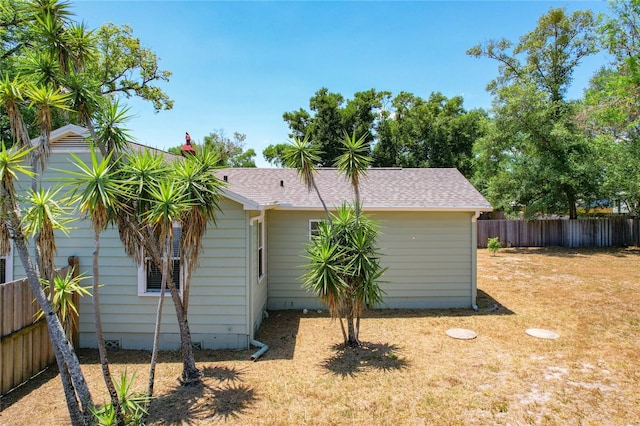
(600, 232)
(25, 347)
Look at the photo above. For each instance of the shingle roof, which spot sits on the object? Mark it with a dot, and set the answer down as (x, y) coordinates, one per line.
(382, 189)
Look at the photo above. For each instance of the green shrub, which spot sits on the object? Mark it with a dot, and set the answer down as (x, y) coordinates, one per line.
(493, 244)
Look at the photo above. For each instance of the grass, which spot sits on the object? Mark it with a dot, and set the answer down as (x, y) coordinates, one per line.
(408, 371)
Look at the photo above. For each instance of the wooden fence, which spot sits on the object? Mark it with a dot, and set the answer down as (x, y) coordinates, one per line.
(25, 348)
(600, 232)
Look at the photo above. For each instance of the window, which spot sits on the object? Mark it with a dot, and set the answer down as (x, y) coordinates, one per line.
(313, 228)
(149, 275)
(260, 249)
(6, 267)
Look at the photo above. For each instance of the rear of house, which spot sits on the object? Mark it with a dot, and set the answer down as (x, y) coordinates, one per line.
(427, 221)
(252, 260)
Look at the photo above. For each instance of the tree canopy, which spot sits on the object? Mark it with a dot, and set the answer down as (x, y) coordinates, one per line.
(534, 156)
(50, 49)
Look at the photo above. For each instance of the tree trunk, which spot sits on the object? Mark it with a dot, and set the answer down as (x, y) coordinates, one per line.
(102, 351)
(69, 394)
(156, 333)
(571, 200)
(190, 373)
(61, 346)
(352, 339)
(324, 206)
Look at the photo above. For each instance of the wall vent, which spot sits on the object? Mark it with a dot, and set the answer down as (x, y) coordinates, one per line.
(112, 344)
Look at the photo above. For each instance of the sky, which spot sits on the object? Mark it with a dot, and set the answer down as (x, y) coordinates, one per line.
(238, 66)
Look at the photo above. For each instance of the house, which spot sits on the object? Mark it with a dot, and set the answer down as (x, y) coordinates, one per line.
(251, 261)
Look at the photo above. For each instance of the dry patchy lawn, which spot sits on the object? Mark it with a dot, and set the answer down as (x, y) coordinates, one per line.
(408, 371)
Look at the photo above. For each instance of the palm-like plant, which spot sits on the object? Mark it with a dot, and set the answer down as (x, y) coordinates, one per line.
(42, 217)
(304, 156)
(74, 385)
(110, 133)
(45, 99)
(195, 174)
(354, 162)
(144, 173)
(11, 97)
(343, 269)
(64, 289)
(168, 202)
(96, 191)
(343, 266)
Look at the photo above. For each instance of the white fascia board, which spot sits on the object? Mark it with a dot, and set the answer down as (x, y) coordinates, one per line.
(62, 132)
(247, 204)
(395, 209)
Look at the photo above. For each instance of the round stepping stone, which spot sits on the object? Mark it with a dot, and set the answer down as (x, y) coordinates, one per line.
(541, 333)
(461, 333)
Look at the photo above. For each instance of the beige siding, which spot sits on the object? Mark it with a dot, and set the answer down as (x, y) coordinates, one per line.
(217, 309)
(429, 256)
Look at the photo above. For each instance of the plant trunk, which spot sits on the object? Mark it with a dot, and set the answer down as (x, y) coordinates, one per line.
(186, 285)
(324, 206)
(352, 338)
(156, 333)
(571, 200)
(102, 350)
(190, 373)
(61, 346)
(69, 394)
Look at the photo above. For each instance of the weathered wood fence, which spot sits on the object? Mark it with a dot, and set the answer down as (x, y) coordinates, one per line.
(600, 232)
(25, 348)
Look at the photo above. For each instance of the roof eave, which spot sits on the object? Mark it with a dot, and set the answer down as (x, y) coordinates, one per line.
(472, 209)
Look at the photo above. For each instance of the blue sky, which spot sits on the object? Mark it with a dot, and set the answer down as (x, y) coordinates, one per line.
(238, 66)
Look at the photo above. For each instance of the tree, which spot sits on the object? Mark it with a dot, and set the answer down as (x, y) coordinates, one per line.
(437, 132)
(611, 109)
(535, 156)
(331, 117)
(303, 155)
(74, 385)
(274, 154)
(343, 266)
(186, 192)
(49, 74)
(230, 152)
(96, 192)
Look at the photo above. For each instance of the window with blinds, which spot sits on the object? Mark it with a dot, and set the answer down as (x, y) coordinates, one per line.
(153, 273)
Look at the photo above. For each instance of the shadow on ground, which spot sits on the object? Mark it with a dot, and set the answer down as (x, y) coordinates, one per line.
(280, 330)
(221, 396)
(349, 361)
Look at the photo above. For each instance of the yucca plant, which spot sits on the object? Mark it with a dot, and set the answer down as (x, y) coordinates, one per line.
(96, 191)
(343, 269)
(134, 404)
(303, 155)
(63, 290)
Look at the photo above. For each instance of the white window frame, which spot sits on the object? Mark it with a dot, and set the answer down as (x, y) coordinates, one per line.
(313, 228)
(142, 274)
(261, 267)
(8, 264)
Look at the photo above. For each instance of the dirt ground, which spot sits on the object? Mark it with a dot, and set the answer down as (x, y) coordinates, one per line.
(408, 371)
